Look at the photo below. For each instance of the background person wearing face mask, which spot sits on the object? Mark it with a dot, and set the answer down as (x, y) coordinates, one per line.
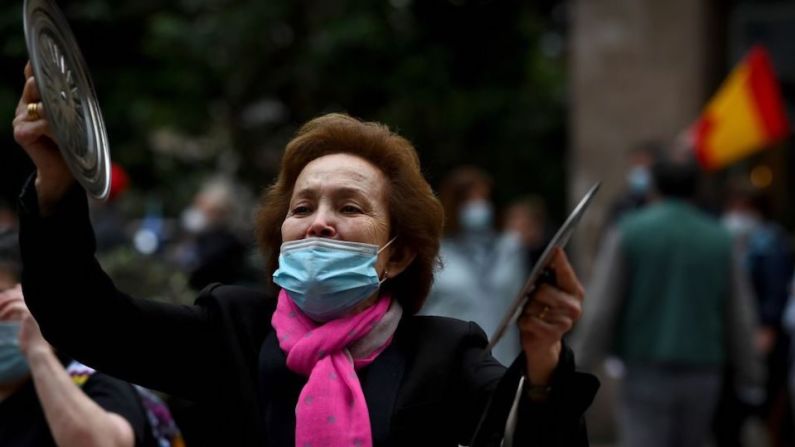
(639, 183)
(482, 270)
(668, 299)
(40, 402)
(215, 250)
(766, 254)
(527, 218)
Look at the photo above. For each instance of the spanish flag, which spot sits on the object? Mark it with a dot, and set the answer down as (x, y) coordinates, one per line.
(746, 114)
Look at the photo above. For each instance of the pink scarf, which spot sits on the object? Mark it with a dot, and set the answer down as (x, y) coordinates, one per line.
(331, 409)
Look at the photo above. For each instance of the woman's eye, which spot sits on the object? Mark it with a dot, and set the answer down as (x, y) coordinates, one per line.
(300, 209)
(351, 209)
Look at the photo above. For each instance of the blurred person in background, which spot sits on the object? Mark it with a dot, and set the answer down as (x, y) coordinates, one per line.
(47, 399)
(482, 270)
(639, 181)
(527, 218)
(211, 249)
(766, 254)
(215, 250)
(668, 298)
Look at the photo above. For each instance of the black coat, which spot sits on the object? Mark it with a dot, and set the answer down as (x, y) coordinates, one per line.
(429, 387)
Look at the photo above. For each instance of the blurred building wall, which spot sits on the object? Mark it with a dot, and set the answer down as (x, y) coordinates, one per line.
(639, 70)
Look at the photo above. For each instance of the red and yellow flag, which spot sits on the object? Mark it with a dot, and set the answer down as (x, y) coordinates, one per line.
(746, 114)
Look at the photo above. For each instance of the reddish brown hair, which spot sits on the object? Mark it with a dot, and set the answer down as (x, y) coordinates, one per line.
(416, 216)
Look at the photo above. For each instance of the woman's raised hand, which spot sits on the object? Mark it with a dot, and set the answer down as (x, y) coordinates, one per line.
(548, 316)
(33, 133)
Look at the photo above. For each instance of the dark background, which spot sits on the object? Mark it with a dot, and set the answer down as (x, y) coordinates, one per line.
(193, 87)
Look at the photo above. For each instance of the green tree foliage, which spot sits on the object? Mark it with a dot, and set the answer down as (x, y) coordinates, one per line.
(192, 86)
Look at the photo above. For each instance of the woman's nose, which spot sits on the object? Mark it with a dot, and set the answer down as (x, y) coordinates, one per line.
(321, 226)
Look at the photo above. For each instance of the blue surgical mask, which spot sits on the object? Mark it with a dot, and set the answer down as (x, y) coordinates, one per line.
(476, 215)
(13, 366)
(639, 180)
(327, 278)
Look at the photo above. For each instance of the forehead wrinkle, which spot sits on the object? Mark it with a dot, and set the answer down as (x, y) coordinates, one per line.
(334, 173)
(341, 192)
(354, 174)
(347, 181)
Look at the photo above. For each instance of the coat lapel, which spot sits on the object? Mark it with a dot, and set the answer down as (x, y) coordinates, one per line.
(380, 384)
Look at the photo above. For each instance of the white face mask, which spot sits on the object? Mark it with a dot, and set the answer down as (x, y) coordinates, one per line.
(194, 220)
(476, 215)
(739, 224)
(639, 180)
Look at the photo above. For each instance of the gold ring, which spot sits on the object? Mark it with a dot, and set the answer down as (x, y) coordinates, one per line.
(543, 313)
(34, 110)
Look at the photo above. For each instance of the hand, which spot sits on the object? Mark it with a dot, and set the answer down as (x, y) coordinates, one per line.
(30, 339)
(765, 339)
(548, 315)
(12, 308)
(36, 138)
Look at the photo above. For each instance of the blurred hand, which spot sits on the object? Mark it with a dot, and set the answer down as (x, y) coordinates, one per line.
(12, 304)
(549, 314)
(36, 138)
(30, 339)
(13, 308)
(765, 339)
(683, 143)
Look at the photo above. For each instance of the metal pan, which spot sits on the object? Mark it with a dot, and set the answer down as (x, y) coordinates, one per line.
(70, 103)
(559, 240)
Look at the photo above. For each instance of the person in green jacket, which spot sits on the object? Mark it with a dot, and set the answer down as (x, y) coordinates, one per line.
(669, 300)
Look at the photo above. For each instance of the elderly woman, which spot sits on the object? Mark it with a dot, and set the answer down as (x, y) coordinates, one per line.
(336, 356)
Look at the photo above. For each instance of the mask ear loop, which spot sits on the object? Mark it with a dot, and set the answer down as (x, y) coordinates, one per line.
(386, 245)
(386, 273)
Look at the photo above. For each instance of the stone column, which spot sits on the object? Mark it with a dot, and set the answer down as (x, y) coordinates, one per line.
(640, 70)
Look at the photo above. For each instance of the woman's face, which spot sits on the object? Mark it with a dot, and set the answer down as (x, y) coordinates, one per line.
(340, 196)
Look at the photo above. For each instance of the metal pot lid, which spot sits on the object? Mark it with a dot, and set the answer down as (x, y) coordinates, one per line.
(70, 103)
